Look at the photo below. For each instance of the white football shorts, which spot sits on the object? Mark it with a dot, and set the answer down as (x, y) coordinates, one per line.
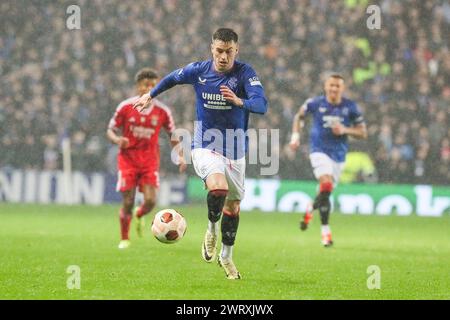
(207, 162)
(323, 165)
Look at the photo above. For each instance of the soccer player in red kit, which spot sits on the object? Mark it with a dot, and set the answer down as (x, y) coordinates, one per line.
(138, 158)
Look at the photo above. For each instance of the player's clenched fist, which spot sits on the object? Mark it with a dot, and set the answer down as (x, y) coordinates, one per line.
(295, 141)
(143, 102)
(338, 129)
(230, 96)
(123, 142)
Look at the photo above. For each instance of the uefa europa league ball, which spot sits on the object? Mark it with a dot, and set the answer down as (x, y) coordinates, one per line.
(169, 226)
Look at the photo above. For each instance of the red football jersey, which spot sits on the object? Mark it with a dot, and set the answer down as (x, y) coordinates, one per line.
(142, 130)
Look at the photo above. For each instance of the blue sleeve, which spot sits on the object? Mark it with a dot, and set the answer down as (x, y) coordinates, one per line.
(355, 115)
(256, 101)
(180, 76)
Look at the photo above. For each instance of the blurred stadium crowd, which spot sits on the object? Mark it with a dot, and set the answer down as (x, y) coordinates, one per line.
(57, 82)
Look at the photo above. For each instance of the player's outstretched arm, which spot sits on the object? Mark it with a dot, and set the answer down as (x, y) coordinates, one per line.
(297, 126)
(179, 76)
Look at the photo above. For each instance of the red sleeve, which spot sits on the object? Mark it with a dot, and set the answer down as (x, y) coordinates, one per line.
(118, 118)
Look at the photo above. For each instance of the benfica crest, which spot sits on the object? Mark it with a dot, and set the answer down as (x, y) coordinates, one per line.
(154, 120)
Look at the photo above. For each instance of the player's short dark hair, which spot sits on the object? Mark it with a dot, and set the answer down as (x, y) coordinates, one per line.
(225, 35)
(145, 73)
(334, 74)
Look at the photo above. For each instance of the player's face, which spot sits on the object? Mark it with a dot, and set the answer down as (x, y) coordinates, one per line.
(224, 54)
(334, 88)
(145, 85)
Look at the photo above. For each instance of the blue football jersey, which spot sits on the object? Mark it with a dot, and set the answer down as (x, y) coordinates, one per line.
(220, 126)
(324, 116)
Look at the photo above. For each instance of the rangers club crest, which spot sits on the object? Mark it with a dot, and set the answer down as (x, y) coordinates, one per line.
(232, 83)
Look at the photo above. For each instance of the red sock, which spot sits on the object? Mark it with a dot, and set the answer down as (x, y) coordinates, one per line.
(142, 210)
(125, 220)
(326, 187)
(308, 217)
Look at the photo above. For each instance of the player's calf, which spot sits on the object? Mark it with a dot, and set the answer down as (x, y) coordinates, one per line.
(229, 227)
(145, 208)
(126, 213)
(140, 212)
(125, 220)
(140, 222)
(230, 223)
(322, 201)
(127, 206)
(215, 200)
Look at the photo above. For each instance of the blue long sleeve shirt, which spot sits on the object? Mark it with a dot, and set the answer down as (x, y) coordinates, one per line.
(220, 125)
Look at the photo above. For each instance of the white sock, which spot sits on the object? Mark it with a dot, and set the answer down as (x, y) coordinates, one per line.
(213, 227)
(227, 252)
(326, 229)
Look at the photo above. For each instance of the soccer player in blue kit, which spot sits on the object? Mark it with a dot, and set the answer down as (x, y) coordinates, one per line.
(334, 119)
(227, 91)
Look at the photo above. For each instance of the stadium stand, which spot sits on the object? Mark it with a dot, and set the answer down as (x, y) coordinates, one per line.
(69, 83)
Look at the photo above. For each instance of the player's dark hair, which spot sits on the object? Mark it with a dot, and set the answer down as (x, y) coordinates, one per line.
(145, 73)
(225, 35)
(335, 75)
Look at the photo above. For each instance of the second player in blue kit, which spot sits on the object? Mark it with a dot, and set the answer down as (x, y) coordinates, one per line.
(334, 119)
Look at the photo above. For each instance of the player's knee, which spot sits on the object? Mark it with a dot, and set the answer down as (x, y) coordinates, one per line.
(127, 209)
(322, 200)
(231, 213)
(232, 209)
(216, 182)
(128, 203)
(217, 186)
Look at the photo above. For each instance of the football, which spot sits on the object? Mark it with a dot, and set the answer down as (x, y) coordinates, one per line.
(168, 226)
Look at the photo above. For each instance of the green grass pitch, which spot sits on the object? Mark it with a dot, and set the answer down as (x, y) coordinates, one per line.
(276, 259)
